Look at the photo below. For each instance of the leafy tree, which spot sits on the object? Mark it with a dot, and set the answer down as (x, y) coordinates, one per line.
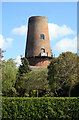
(62, 74)
(9, 71)
(51, 53)
(74, 90)
(35, 80)
(23, 69)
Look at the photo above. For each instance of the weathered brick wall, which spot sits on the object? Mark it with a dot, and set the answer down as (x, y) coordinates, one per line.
(39, 61)
(37, 25)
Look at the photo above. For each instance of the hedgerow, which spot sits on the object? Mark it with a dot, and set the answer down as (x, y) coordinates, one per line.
(56, 108)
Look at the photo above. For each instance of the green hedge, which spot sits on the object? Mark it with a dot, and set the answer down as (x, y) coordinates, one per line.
(55, 108)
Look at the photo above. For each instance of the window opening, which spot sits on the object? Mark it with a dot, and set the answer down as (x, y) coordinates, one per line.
(42, 50)
(42, 36)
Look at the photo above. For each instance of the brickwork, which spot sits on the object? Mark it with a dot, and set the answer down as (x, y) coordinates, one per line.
(39, 61)
(38, 26)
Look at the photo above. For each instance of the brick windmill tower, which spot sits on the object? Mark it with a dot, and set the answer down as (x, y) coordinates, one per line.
(38, 50)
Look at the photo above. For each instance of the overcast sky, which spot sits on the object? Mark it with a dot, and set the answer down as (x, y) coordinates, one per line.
(62, 23)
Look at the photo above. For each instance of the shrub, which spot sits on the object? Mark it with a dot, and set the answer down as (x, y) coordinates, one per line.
(40, 108)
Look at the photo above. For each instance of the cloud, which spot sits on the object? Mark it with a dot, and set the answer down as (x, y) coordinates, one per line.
(78, 41)
(56, 31)
(5, 42)
(2, 41)
(66, 44)
(18, 60)
(20, 30)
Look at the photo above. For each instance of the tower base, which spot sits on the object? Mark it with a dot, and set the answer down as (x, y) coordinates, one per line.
(39, 61)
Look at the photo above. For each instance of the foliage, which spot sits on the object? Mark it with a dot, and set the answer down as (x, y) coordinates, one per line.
(62, 74)
(24, 67)
(9, 71)
(56, 108)
(35, 80)
(51, 53)
(75, 89)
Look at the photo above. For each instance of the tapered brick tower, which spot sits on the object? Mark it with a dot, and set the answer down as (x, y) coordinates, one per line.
(38, 50)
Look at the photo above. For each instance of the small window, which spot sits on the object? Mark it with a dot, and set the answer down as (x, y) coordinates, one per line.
(42, 36)
(42, 50)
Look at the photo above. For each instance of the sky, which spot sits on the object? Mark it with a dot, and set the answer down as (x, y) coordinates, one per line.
(62, 24)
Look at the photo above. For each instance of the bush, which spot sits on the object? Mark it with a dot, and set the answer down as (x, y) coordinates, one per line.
(40, 108)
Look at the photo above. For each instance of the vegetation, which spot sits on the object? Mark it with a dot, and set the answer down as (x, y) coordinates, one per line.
(35, 81)
(40, 108)
(22, 70)
(24, 67)
(62, 74)
(59, 79)
(9, 71)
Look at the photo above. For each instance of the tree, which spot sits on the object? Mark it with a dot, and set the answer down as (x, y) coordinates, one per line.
(74, 91)
(9, 71)
(22, 70)
(24, 67)
(62, 74)
(35, 80)
(51, 53)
